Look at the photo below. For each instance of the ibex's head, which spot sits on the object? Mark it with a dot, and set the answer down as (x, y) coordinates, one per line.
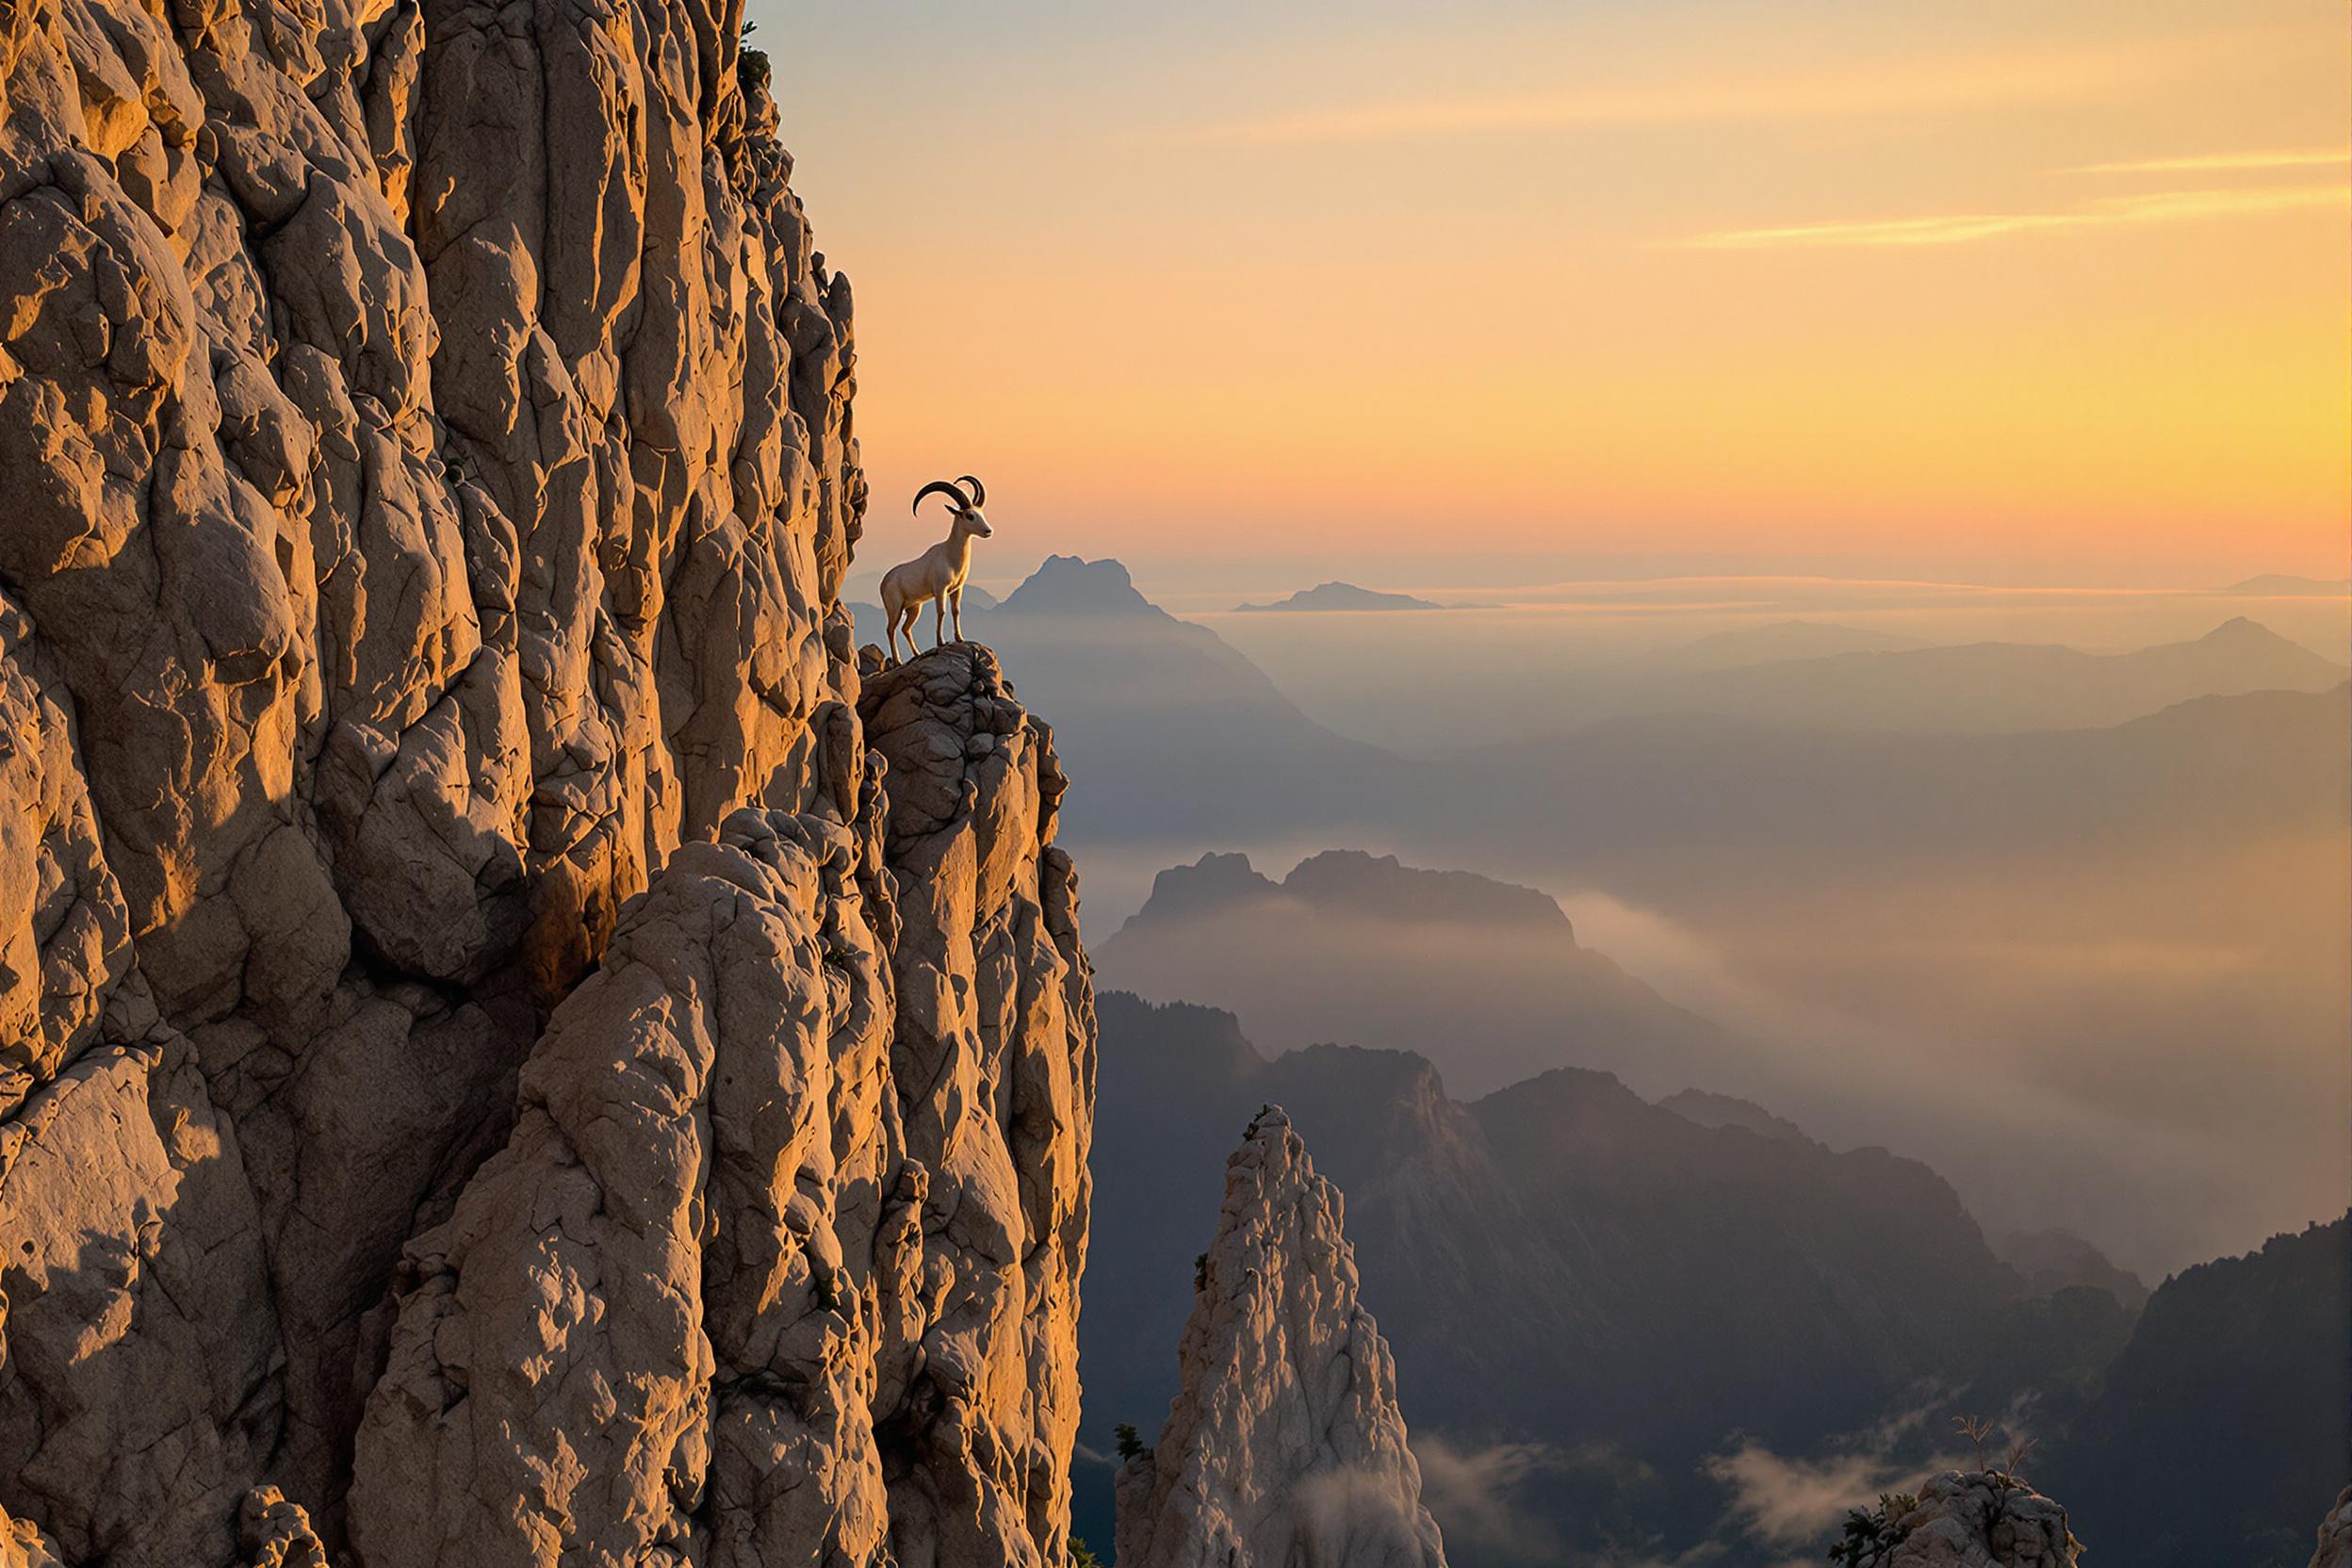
(967, 516)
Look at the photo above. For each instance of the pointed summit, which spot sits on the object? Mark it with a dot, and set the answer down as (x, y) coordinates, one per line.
(1286, 1445)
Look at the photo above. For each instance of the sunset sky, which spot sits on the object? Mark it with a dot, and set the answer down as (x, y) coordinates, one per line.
(1990, 293)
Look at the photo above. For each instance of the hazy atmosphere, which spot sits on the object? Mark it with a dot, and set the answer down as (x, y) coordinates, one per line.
(1848, 503)
(1631, 337)
(897, 785)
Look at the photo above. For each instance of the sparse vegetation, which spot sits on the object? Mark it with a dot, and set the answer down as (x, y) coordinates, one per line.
(1977, 1430)
(1082, 1555)
(751, 65)
(1130, 1442)
(1873, 1532)
(2008, 1472)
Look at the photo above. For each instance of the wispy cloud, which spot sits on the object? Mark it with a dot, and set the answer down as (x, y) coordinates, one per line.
(1479, 1496)
(2223, 163)
(1875, 88)
(1782, 1502)
(2166, 207)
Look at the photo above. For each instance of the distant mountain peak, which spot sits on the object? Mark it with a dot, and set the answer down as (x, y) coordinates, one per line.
(1358, 882)
(1710, 1109)
(1383, 884)
(1343, 596)
(2242, 629)
(1213, 882)
(1071, 585)
(2286, 585)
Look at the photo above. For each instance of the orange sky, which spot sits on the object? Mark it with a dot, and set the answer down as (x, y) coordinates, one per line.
(2048, 293)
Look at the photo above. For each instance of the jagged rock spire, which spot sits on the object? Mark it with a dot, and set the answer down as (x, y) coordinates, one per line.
(1286, 1445)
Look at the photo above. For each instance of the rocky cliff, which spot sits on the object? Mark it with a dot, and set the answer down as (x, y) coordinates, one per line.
(1984, 1519)
(2335, 1535)
(1286, 1445)
(512, 1046)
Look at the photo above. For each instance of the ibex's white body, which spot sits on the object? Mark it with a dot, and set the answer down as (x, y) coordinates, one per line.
(936, 577)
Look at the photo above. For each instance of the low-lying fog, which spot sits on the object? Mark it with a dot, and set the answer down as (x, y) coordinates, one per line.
(2136, 1030)
(1562, 655)
(2151, 1054)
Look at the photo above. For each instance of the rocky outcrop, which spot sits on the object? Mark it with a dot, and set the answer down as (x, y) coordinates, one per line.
(24, 1546)
(1982, 1520)
(2335, 1535)
(509, 1044)
(1286, 1445)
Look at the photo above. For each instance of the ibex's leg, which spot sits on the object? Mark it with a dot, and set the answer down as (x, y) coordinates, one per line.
(938, 620)
(955, 612)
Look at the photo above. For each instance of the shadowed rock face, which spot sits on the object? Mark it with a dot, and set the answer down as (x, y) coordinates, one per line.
(2252, 1346)
(1286, 1445)
(509, 1046)
(2335, 1535)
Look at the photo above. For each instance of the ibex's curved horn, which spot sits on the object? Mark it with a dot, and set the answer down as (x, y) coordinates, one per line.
(963, 503)
(979, 491)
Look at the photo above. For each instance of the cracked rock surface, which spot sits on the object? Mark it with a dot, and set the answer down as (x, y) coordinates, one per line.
(1284, 1445)
(511, 1048)
(1980, 1520)
(2335, 1535)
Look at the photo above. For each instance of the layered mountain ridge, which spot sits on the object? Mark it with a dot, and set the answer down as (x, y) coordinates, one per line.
(1560, 1262)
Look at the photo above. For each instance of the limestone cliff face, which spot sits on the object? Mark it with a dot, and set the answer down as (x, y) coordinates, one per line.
(1286, 1445)
(511, 1047)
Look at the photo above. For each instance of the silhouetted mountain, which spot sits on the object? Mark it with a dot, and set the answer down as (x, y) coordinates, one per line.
(1723, 1110)
(1993, 686)
(1645, 803)
(2050, 1260)
(1485, 979)
(1560, 1263)
(2284, 585)
(1342, 595)
(1181, 739)
(1174, 731)
(1068, 585)
(2239, 1375)
(1785, 640)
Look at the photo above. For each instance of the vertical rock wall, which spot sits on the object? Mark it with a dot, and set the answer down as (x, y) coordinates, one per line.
(488, 1046)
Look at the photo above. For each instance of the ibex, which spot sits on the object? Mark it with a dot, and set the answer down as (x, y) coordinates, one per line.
(937, 575)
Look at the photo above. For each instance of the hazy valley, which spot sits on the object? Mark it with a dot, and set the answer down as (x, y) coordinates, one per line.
(1836, 915)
